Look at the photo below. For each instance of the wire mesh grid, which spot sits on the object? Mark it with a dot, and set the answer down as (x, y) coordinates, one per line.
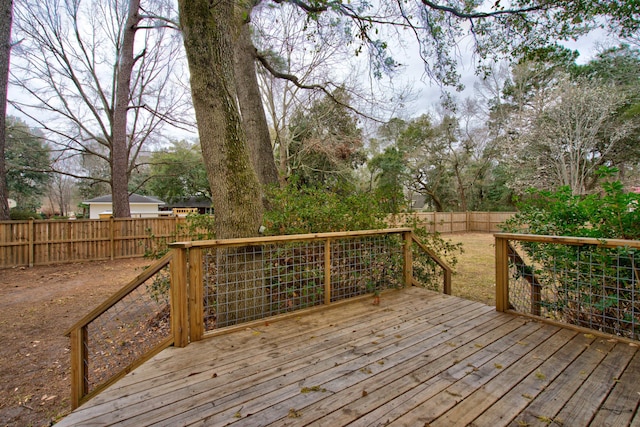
(254, 282)
(125, 332)
(248, 283)
(588, 286)
(364, 265)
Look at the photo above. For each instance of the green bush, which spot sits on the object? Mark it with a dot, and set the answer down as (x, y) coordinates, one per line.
(23, 215)
(583, 284)
(611, 213)
(295, 210)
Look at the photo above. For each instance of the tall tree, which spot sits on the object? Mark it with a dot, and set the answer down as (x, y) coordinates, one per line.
(211, 31)
(6, 18)
(389, 169)
(574, 135)
(98, 77)
(27, 163)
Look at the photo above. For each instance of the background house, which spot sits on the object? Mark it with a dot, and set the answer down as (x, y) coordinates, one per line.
(183, 207)
(141, 206)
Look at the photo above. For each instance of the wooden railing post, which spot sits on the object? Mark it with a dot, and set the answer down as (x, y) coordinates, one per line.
(179, 313)
(79, 367)
(447, 281)
(196, 295)
(502, 274)
(327, 272)
(407, 269)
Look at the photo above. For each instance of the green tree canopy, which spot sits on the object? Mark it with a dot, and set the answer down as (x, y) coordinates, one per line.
(178, 173)
(27, 162)
(328, 145)
(390, 171)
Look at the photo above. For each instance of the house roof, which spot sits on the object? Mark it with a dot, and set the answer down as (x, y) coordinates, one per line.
(191, 202)
(133, 198)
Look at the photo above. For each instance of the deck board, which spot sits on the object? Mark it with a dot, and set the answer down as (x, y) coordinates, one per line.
(419, 358)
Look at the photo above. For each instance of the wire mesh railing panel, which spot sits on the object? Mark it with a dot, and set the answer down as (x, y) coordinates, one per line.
(262, 280)
(364, 265)
(254, 282)
(584, 285)
(128, 330)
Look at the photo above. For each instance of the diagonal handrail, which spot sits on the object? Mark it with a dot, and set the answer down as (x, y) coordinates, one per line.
(80, 337)
(445, 268)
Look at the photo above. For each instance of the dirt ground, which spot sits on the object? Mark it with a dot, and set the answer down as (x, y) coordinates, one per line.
(37, 305)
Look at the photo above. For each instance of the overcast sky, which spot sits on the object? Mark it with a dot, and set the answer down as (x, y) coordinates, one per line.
(428, 93)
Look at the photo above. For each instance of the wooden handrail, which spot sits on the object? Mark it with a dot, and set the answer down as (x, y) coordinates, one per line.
(186, 301)
(79, 336)
(446, 269)
(284, 238)
(568, 240)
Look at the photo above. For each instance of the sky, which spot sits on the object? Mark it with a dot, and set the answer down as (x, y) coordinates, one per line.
(428, 93)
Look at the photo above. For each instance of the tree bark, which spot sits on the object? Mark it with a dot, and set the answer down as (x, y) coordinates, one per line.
(6, 18)
(252, 110)
(208, 29)
(119, 152)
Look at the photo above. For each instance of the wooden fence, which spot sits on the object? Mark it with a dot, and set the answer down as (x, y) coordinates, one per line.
(457, 222)
(29, 243)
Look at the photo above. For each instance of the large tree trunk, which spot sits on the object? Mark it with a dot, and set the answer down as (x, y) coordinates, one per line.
(208, 29)
(119, 151)
(252, 110)
(6, 15)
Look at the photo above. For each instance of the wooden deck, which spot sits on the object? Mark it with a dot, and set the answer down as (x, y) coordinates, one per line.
(417, 359)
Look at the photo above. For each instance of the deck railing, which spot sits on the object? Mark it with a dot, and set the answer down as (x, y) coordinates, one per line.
(215, 284)
(590, 283)
(235, 281)
(121, 333)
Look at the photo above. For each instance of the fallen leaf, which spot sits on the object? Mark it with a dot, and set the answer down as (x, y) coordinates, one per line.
(294, 414)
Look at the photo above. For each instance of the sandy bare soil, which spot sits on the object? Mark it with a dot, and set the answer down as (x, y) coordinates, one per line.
(37, 305)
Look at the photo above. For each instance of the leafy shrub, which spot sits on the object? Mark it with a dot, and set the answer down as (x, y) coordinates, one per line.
(611, 213)
(296, 210)
(584, 285)
(23, 215)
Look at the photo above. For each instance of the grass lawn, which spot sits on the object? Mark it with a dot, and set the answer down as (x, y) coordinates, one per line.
(474, 276)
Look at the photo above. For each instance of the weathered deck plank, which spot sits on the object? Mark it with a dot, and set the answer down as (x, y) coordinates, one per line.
(418, 358)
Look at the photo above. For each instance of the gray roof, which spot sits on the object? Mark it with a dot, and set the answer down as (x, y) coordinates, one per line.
(133, 198)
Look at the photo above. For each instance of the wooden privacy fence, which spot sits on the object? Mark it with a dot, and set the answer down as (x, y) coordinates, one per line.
(217, 284)
(29, 243)
(455, 222)
(583, 282)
